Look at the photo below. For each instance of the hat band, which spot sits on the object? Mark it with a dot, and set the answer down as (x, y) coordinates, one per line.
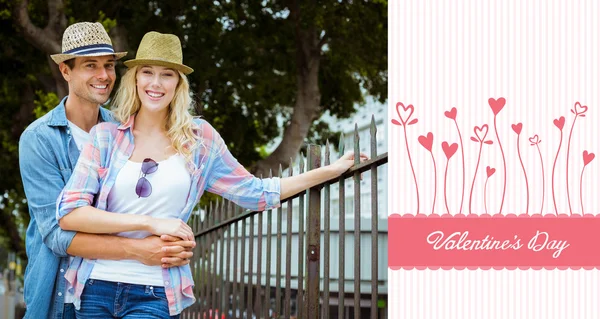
(90, 49)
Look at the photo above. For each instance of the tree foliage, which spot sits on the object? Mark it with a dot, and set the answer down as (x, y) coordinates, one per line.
(256, 62)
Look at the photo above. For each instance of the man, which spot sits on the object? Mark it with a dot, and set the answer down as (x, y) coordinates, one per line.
(48, 151)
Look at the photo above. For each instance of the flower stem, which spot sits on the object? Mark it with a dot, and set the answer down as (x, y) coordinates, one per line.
(485, 195)
(567, 174)
(553, 169)
(543, 179)
(503, 163)
(434, 183)
(445, 178)
(411, 167)
(524, 173)
(475, 175)
(581, 190)
(462, 150)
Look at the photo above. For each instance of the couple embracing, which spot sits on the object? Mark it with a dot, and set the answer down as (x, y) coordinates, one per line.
(110, 192)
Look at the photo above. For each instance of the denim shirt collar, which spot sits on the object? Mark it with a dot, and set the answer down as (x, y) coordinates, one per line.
(59, 115)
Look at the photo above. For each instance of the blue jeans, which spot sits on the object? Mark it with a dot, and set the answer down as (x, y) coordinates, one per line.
(69, 311)
(105, 299)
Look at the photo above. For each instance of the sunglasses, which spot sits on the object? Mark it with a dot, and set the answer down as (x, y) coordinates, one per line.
(143, 187)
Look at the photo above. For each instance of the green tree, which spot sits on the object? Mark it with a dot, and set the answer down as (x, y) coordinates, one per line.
(255, 62)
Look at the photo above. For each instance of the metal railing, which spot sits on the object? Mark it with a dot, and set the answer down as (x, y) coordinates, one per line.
(233, 264)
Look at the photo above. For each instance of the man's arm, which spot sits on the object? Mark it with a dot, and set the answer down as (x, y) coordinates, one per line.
(43, 181)
(152, 250)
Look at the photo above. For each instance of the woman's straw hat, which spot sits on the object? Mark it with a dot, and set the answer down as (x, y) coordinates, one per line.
(162, 50)
(85, 39)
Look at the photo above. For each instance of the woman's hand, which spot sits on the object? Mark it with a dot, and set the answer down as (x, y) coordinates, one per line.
(345, 162)
(292, 185)
(170, 226)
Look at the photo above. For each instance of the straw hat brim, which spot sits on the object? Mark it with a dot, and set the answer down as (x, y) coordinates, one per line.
(180, 67)
(62, 57)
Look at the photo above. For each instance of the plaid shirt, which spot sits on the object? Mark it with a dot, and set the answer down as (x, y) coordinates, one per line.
(213, 169)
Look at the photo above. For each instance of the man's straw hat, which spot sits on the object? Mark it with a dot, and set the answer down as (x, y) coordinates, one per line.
(162, 50)
(85, 39)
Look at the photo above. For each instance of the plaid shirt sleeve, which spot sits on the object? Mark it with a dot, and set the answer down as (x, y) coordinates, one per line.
(84, 182)
(229, 179)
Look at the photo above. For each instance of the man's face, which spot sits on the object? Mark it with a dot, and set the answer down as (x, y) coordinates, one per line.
(91, 78)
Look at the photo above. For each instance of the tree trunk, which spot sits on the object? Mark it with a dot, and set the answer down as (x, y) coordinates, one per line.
(49, 39)
(23, 118)
(118, 36)
(308, 99)
(62, 88)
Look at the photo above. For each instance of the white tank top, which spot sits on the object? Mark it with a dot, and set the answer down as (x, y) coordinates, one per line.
(170, 188)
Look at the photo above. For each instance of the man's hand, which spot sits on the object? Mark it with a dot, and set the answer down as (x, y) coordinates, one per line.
(166, 251)
(177, 252)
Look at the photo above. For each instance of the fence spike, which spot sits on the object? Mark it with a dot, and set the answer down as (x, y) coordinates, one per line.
(203, 221)
(373, 137)
(327, 152)
(373, 126)
(208, 213)
(301, 164)
(356, 145)
(341, 146)
(217, 207)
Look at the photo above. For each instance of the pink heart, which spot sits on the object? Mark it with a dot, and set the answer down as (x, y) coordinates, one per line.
(517, 128)
(587, 157)
(449, 150)
(490, 171)
(535, 139)
(483, 130)
(426, 141)
(407, 111)
(451, 114)
(496, 105)
(580, 109)
(560, 122)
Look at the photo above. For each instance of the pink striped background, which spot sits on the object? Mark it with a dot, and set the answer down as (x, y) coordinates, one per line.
(542, 56)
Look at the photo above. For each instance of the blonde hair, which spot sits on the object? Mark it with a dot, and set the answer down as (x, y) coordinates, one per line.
(179, 124)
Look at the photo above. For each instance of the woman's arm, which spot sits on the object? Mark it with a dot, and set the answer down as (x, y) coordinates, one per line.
(231, 180)
(295, 184)
(91, 220)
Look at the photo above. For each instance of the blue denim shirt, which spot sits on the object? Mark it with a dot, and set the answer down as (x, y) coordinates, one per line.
(47, 155)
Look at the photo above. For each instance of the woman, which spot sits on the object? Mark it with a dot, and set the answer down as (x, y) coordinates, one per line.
(145, 175)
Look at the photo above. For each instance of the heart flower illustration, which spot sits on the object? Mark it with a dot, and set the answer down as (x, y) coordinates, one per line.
(490, 171)
(587, 158)
(579, 110)
(480, 135)
(535, 140)
(404, 113)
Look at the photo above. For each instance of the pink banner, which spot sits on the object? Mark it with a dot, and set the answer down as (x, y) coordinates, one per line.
(498, 242)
